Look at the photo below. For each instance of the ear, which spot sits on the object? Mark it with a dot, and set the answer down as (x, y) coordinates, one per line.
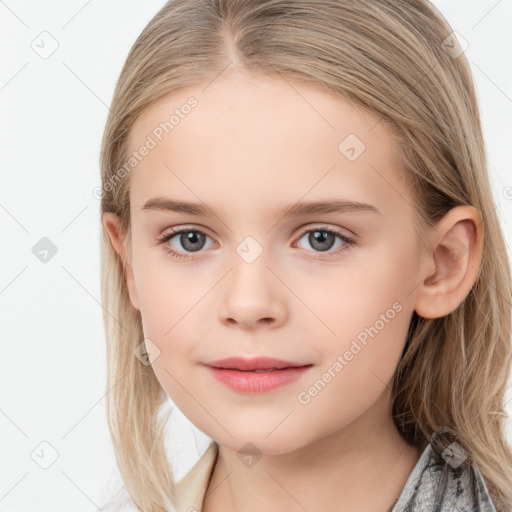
(456, 254)
(112, 225)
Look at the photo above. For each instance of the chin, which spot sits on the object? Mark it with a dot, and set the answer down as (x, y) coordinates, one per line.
(259, 443)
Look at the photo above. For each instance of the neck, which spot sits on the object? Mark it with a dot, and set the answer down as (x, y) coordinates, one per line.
(362, 467)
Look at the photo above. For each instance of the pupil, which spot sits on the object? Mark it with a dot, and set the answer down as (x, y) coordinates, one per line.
(321, 239)
(191, 238)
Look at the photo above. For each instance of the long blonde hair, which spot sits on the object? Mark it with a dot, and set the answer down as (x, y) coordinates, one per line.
(394, 58)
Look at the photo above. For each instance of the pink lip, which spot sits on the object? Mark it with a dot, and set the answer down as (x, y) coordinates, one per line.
(258, 363)
(248, 381)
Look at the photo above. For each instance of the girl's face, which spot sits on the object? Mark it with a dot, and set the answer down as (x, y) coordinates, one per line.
(249, 280)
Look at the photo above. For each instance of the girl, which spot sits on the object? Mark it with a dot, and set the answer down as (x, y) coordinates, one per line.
(342, 330)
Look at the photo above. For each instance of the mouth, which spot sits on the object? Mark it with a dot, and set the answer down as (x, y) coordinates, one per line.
(259, 370)
(257, 380)
(259, 364)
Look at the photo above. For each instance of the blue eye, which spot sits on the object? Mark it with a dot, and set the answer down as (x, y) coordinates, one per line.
(321, 239)
(190, 239)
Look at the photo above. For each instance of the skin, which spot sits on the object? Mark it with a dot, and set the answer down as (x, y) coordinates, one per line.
(252, 145)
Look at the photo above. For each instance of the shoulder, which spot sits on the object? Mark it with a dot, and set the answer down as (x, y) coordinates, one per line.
(191, 489)
(444, 484)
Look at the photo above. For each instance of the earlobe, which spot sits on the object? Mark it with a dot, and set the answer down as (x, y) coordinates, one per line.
(456, 255)
(112, 226)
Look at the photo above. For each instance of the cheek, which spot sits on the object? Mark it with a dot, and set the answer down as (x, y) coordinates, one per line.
(356, 368)
(369, 338)
(176, 319)
(368, 289)
(367, 312)
(168, 294)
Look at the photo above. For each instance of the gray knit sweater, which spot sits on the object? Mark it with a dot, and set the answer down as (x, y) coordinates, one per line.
(441, 483)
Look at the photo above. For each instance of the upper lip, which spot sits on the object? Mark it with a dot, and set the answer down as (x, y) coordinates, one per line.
(258, 363)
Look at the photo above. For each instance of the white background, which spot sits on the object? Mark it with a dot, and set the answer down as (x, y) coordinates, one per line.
(53, 114)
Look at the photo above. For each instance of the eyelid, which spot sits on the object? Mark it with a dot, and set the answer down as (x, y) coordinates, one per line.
(311, 226)
(184, 227)
(302, 229)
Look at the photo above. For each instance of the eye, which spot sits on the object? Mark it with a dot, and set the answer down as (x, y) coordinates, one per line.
(190, 239)
(323, 239)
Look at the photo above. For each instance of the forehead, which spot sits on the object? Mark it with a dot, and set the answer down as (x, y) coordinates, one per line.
(254, 140)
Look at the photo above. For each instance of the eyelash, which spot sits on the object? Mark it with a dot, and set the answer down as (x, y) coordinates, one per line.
(348, 242)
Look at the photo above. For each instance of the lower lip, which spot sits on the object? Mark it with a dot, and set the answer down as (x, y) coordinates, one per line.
(258, 382)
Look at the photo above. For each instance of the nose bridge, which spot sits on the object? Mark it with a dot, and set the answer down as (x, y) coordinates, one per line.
(250, 263)
(250, 249)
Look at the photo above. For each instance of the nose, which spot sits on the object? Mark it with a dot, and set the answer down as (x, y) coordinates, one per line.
(253, 296)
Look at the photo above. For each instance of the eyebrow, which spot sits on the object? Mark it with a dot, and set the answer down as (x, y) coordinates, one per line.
(295, 210)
